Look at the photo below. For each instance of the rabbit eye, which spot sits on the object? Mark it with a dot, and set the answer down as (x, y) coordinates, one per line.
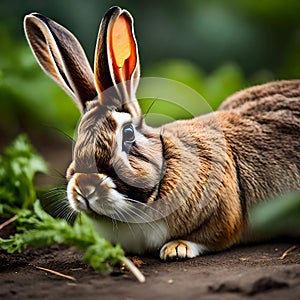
(128, 136)
(128, 133)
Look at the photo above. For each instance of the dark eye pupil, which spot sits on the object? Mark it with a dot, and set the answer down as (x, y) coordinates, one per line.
(128, 133)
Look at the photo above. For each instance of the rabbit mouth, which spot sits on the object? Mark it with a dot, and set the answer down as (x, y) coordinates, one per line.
(94, 194)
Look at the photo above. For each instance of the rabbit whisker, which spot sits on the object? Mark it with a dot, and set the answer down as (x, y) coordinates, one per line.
(132, 210)
(147, 206)
(114, 221)
(56, 203)
(121, 216)
(150, 106)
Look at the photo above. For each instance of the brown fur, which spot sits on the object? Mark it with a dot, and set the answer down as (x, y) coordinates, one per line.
(262, 160)
(201, 175)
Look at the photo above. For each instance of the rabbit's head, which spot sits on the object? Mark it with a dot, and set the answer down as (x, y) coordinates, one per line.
(117, 159)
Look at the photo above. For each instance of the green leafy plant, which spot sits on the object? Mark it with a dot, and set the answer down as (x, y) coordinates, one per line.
(34, 226)
(18, 166)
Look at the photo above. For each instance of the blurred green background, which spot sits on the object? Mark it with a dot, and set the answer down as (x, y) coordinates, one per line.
(214, 46)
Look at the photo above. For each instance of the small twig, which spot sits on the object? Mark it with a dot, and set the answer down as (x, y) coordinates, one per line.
(133, 269)
(56, 273)
(12, 219)
(286, 252)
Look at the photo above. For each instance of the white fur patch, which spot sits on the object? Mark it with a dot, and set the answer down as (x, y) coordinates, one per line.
(108, 181)
(70, 194)
(135, 238)
(121, 118)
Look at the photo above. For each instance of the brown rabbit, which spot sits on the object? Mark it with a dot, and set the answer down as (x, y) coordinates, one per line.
(184, 188)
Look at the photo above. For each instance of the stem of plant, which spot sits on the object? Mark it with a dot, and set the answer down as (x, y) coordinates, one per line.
(15, 217)
(133, 269)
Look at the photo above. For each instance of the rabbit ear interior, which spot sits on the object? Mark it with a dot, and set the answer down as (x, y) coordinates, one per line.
(122, 49)
(61, 56)
(117, 60)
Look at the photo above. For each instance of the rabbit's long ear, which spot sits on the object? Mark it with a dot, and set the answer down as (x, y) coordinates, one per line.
(61, 56)
(117, 60)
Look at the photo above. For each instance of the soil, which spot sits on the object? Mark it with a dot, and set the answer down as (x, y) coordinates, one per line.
(243, 272)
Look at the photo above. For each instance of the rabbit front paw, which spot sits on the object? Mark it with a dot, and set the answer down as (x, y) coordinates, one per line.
(181, 249)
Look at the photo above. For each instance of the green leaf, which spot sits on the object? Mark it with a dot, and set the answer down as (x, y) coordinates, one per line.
(18, 166)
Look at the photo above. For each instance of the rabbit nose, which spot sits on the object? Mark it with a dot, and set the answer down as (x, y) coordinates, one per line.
(87, 183)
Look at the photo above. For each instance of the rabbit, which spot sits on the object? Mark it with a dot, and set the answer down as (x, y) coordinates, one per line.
(182, 189)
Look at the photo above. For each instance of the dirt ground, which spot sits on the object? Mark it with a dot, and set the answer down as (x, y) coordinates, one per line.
(244, 272)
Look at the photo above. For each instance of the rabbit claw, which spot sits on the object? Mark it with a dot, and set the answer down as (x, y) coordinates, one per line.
(180, 250)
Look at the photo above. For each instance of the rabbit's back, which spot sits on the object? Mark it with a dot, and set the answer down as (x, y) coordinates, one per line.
(262, 128)
(249, 97)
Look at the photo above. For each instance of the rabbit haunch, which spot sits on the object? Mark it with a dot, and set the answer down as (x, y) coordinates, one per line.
(185, 187)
